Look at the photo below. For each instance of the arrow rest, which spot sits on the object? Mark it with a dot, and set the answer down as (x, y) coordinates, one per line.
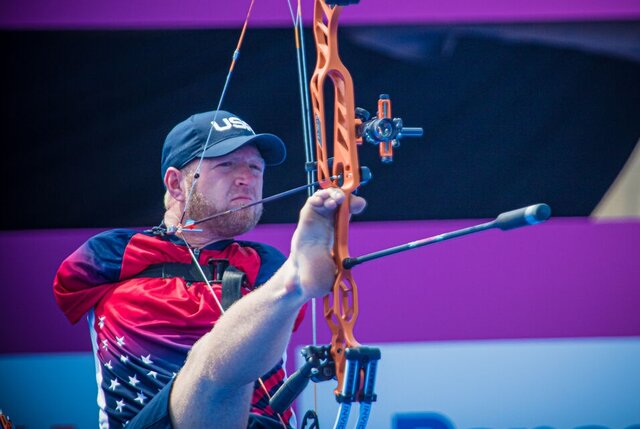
(365, 173)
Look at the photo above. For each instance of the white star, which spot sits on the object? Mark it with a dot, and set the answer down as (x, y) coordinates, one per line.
(119, 405)
(120, 340)
(105, 344)
(146, 359)
(153, 374)
(108, 365)
(101, 321)
(124, 359)
(141, 398)
(173, 375)
(114, 384)
(134, 380)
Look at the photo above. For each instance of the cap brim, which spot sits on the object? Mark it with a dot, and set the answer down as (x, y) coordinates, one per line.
(271, 148)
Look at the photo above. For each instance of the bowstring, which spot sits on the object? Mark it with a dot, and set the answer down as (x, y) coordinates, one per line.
(305, 109)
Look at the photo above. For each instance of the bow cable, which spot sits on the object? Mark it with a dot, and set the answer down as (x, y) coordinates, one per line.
(309, 149)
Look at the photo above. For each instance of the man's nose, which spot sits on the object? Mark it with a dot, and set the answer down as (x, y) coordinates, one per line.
(245, 175)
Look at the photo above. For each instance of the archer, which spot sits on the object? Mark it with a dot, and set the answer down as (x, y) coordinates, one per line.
(184, 324)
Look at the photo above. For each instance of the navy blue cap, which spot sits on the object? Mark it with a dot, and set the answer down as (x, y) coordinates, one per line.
(185, 141)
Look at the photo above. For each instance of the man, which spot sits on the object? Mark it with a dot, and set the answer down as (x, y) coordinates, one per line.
(159, 363)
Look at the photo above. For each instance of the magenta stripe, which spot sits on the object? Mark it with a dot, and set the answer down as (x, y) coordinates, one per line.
(118, 14)
(565, 278)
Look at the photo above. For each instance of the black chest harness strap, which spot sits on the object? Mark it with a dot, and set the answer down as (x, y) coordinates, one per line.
(218, 271)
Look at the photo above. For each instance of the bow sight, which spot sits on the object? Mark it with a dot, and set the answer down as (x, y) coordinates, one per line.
(383, 130)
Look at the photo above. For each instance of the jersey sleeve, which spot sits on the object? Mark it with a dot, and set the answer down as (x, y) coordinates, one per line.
(271, 261)
(90, 272)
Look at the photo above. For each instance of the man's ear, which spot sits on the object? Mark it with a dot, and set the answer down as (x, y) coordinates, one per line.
(173, 181)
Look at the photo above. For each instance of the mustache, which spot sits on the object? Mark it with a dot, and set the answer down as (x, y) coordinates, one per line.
(251, 194)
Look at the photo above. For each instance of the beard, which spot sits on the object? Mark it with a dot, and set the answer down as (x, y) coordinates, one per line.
(226, 226)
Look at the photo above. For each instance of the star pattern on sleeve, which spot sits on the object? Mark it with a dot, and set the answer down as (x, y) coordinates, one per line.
(134, 380)
(131, 374)
(114, 384)
(129, 382)
(119, 405)
(141, 397)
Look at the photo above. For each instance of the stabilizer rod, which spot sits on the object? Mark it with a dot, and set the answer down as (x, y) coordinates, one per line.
(525, 216)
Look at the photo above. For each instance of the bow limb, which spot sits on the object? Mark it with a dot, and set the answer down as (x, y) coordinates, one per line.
(341, 305)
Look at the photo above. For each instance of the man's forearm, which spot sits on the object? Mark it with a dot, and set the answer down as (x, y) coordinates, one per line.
(251, 336)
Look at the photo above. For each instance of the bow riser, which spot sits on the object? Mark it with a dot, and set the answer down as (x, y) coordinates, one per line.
(341, 306)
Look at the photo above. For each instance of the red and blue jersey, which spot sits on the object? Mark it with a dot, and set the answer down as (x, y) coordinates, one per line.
(143, 327)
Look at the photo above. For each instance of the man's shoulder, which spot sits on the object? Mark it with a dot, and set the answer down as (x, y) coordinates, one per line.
(265, 251)
(259, 246)
(111, 244)
(271, 259)
(117, 235)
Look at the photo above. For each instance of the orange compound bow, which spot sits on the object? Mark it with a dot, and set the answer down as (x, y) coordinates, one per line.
(341, 306)
(353, 365)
